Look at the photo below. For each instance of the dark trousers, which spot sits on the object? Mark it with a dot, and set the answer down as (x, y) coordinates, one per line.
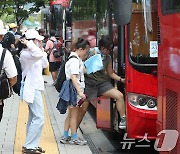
(1, 112)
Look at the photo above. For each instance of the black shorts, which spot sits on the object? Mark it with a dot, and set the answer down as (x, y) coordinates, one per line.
(94, 91)
(54, 66)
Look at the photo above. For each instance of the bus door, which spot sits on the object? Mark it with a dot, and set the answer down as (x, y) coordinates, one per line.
(57, 19)
(106, 112)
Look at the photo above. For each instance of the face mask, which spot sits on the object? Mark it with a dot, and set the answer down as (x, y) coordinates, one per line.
(37, 43)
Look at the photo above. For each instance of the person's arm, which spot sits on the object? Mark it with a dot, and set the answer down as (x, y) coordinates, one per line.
(84, 70)
(35, 53)
(10, 68)
(45, 60)
(113, 75)
(48, 47)
(74, 69)
(74, 81)
(13, 80)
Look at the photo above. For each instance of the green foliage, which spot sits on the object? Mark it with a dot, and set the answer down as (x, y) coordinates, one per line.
(84, 9)
(19, 10)
(8, 18)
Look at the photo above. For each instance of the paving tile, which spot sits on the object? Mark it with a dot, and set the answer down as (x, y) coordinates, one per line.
(9, 121)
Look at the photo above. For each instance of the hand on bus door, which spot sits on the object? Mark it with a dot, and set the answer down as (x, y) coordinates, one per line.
(122, 80)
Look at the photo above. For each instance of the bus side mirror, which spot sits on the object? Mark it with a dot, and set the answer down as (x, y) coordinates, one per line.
(122, 11)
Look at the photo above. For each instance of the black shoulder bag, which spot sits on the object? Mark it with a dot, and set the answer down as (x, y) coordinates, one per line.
(5, 87)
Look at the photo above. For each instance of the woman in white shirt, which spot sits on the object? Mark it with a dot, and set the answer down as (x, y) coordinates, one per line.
(74, 70)
(8, 67)
(33, 59)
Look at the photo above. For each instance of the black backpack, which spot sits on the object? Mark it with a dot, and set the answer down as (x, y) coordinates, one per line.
(17, 86)
(61, 77)
(57, 50)
(5, 88)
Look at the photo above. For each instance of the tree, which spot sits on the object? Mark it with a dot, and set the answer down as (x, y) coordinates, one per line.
(21, 9)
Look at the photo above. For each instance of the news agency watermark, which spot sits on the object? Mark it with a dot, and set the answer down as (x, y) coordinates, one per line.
(166, 140)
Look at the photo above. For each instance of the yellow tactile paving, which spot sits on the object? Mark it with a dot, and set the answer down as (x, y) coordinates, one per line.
(48, 141)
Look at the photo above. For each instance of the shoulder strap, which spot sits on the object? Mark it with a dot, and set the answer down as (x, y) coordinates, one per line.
(54, 43)
(51, 40)
(73, 56)
(2, 59)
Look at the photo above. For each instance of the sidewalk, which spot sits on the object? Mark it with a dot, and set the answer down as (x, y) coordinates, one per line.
(9, 121)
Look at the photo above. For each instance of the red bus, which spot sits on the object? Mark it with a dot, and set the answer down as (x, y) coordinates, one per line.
(169, 68)
(134, 57)
(53, 17)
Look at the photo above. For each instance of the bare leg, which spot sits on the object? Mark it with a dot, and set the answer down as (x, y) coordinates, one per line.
(54, 75)
(82, 112)
(73, 112)
(116, 94)
(67, 123)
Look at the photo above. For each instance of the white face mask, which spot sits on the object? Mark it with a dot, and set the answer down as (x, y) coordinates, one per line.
(37, 43)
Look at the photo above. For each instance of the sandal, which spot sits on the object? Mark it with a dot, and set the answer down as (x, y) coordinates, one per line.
(40, 150)
(32, 151)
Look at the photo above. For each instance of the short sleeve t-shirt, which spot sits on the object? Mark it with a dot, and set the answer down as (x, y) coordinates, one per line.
(49, 46)
(8, 66)
(75, 66)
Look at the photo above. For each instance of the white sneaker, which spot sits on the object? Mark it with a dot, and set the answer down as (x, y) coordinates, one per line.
(65, 140)
(122, 124)
(78, 142)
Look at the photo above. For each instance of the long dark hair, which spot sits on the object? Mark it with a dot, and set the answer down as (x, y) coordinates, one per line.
(105, 42)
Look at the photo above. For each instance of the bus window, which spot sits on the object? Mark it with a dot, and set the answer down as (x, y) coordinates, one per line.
(170, 6)
(102, 18)
(84, 18)
(143, 32)
(57, 12)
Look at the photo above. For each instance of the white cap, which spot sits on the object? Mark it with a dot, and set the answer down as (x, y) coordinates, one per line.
(2, 29)
(33, 34)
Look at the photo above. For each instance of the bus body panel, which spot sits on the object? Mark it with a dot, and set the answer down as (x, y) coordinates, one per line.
(103, 113)
(141, 122)
(141, 83)
(170, 29)
(169, 73)
(145, 84)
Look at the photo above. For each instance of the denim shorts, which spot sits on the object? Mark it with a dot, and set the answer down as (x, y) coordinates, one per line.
(94, 91)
